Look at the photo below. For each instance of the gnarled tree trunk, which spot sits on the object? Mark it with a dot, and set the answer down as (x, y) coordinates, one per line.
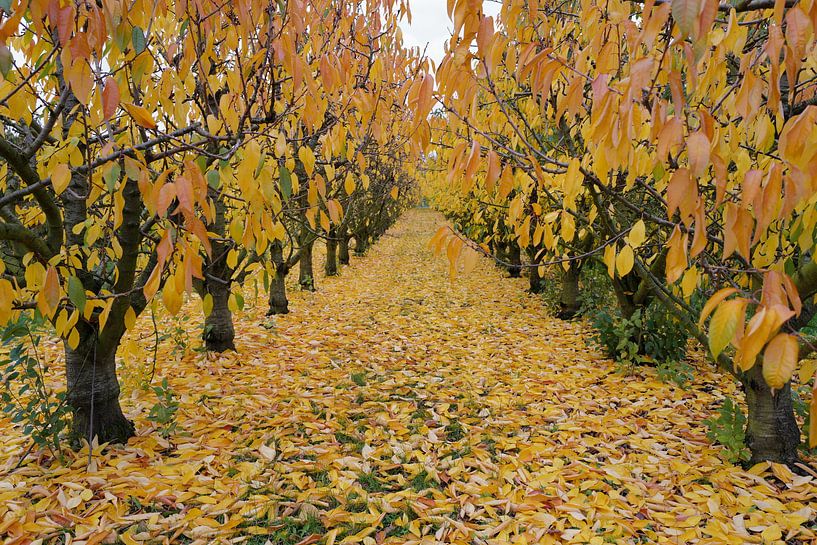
(93, 390)
(569, 298)
(771, 429)
(331, 268)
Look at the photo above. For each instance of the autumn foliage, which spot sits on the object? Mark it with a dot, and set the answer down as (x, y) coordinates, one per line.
(672, 142)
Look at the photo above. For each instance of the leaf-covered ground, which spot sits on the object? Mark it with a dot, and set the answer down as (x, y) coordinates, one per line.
(394, 407)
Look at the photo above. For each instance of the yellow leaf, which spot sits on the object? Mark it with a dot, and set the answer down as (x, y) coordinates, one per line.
(308, 159)
(60, 178)
(610, 260)
(714, 301)
(637, 234)
(207, 304)
(6, 300)
(73, 339)
(779, 360)
(349, 184)
(130, 318)
(171, 299)
(624, 261)
(142, 117)
(394, 192)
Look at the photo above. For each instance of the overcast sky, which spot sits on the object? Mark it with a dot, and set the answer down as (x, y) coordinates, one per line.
(430, 25)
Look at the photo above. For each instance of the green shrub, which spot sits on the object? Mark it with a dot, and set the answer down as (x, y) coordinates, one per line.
(649, 335)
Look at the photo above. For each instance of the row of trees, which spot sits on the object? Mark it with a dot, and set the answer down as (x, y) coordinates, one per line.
(155, 148)
(673, 142)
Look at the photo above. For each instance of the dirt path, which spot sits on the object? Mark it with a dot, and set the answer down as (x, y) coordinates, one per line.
(394, 406)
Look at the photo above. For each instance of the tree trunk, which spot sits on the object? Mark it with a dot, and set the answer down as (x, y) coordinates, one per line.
(331, 268)
(515, 260)
(219, 333)
(771, 429)
(278, 303)
(361, 243)
(343, 249)
(569, 299)
(93, 392)
(306, 276)
(537, 283)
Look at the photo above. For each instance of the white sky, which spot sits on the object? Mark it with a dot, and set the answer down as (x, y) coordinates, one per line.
(430, 25)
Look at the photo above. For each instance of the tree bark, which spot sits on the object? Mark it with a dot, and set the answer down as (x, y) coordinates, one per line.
(569, 298)
(361, 243)
(306, 275)
(93, 391)
(772, 433)
(537, 283)
(343, 249)
(515, 260)
(219, 333)
(278, 302)
(331, 268)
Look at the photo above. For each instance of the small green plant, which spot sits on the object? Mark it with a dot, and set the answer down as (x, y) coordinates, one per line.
(163, 413)
(25, 396)
(358, 378)
(679, 372)
(729, 430)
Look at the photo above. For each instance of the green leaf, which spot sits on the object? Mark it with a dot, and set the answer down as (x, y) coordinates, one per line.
(112, 176)
(213, 179)
(138, 39)
(76, 293)
(286, 182)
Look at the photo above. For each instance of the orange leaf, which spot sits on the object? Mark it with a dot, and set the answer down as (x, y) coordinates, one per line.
(110, 98)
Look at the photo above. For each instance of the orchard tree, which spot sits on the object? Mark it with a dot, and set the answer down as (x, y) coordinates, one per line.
(675, 136)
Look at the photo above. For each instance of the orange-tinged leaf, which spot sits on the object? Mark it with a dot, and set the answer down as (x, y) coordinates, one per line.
(677, 255)
(110, 98)
(49, 297)
(139, 114)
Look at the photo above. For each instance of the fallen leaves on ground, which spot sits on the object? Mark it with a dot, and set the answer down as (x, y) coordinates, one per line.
(394, 407)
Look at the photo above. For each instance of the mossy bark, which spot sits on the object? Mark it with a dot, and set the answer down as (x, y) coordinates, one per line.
(772, 433)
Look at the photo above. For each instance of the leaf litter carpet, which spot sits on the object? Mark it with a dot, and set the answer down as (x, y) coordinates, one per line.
(395, 407)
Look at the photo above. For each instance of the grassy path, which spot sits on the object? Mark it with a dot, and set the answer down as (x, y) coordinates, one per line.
(392, 406)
